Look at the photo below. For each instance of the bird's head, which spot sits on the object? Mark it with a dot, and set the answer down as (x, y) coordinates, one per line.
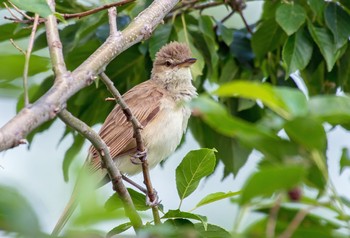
(172, 62)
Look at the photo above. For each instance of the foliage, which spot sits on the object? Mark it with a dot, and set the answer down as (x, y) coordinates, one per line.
(256, 105)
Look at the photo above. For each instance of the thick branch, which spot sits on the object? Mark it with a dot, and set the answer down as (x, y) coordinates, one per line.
(105, 156)
(46, 107)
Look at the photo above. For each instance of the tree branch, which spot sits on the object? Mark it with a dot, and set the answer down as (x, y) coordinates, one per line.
(108, 163)
(98, 9)
(293, 225)
(139, 142)
(27, 59)
(47, 107)
(55, 45)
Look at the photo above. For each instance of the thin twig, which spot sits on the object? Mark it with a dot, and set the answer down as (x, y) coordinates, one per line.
(27, 59)
(227, 17)
(19, 11)
(11, 12)
(55, 45)
(105, 156)
(92, 11)
(139, 142)
(271, 223)
(299, 217)
(245, 22)
(112, 19)
(17, 47)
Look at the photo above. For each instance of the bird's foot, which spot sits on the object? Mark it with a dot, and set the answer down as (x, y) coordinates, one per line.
(139, 157)
(155, 199)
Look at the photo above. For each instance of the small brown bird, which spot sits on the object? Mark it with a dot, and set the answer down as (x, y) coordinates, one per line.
(158, 105)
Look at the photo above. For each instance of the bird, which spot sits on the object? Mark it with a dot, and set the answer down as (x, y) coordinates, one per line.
(160, 105)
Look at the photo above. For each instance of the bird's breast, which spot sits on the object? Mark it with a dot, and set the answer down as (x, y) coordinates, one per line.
(163, 134)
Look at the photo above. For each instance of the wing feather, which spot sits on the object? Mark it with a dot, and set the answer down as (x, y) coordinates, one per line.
(144, 102)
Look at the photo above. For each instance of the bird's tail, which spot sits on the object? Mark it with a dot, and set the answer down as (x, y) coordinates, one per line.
(67, 213)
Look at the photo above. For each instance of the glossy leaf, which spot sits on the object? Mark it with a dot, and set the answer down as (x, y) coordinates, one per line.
(212, 231)
(139, 200)
(297, 52)
(36, 6)
(317, 6)
(308, 132)
(324, 41)
(11, 31)
(344, 160)
(195, 165)
(266, 38)
(268, 180)
(332, 109)
(187, 215)
(290, 17)
(16, 214)
(205, 26)
(214, 197)
(249, 134)
(230, 151)
(119, 229)
(11, 66)
(338, 21)
(284, 101)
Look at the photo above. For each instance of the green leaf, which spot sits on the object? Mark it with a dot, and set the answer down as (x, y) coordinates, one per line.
(268, 180)
(230, 151)
(325, 43)
(36, 6)
(11, 66)
(214, 197)
(212, 231)
(290, 17)
(196, 165)
(297, 52)
(16, 214)
(139, 200)
(119, 229)
(179, 214)
(308, 132)
(330, 108)
(344, 160)
(338, 21)
(182, 35)
(286, 102)
(316, 6)
(266, 38)
(249, 134)
(205, 27)
(70, 155)
(11, 31)
(225, 33)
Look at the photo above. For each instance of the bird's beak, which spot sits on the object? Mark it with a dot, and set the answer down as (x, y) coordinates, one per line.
(187, 62)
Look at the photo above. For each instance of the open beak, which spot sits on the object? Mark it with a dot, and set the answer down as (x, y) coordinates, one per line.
(187, 62)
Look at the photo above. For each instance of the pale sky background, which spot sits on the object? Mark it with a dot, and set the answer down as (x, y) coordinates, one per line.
(37, 173)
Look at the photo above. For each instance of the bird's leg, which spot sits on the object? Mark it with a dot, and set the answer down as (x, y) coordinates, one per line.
(139, 157)
(155, 199)
(133, 183)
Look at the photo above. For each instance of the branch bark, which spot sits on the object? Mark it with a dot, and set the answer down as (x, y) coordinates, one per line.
(108, 164)
(52, 102)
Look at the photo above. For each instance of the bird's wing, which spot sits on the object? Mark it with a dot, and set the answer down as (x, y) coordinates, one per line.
(144, 102)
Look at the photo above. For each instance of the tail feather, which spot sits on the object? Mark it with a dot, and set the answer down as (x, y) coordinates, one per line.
(67, 213)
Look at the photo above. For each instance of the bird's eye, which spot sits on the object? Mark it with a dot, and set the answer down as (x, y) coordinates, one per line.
(167, 64)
